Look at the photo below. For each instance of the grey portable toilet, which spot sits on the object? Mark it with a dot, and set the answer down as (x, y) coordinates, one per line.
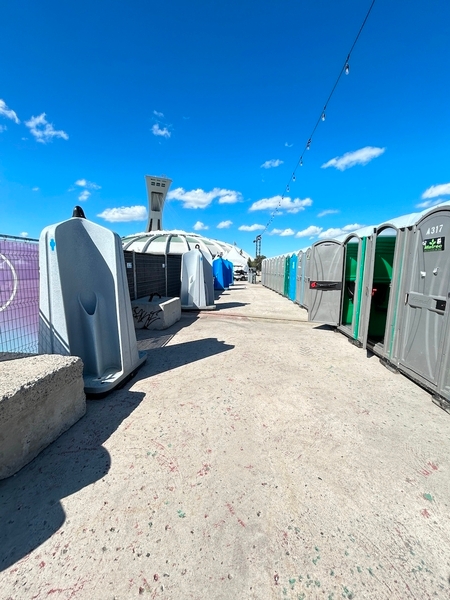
(423, 344)
(304, 299)
(298, 276)
(197, 280)
(325, 282)
(85, 307)
(384, 271)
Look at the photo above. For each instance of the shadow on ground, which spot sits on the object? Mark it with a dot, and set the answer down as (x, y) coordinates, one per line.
(30, 507)
(167, 358)
(226, 305)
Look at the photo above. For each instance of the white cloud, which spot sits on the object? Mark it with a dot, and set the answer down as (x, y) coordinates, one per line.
(324, 213)
(442, 189)
(90, 185)
(350, 159)
(200, 199)
(429, 203)
(44, 131)
(335, 231)
(24, 234)
(288, 145)
(158, 114)
(224, 224)
(229, 197)
(164, 132)
(35, 189)
(291, 206)
(282, 232)
(124, 214)
(270, 164)
(311, 231)
(199, 226)
(7, 112)
(3, 128)
(84, 196)
(254, 227)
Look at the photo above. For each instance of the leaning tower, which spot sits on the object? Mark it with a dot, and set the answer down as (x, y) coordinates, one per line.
(157, 188)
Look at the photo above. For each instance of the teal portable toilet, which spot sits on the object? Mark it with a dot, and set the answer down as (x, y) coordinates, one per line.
(292, 277)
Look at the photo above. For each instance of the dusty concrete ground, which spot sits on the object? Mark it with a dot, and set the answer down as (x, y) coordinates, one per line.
(254, 456)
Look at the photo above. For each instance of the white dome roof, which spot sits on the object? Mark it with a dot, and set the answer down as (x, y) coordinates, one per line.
(177, 242)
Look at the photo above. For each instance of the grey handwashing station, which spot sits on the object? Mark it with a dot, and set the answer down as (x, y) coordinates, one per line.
(85, 307)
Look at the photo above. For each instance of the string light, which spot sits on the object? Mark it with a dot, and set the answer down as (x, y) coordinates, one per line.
(345, 69)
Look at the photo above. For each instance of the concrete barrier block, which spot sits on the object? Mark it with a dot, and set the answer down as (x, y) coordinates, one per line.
(40, 398)
(159, 313)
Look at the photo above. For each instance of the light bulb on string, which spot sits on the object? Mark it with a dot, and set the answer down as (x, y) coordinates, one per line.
(293, 176)
(347, 68)
(301, 162)
(287, 189)
(323, 116)
(308, 145)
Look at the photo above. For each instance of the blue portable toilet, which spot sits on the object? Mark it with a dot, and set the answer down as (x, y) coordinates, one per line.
(220, 272)
(230, 272)
(292, 277)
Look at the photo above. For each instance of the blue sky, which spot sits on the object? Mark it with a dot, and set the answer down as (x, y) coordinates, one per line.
(221, 97)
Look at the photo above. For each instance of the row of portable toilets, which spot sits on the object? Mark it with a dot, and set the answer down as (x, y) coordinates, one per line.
(386, 287)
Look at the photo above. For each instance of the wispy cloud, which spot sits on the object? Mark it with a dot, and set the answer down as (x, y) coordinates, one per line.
(200, 199)
(43, 131)
(199, 226)
(124, 214)
(24, 234)
(270, 164)
(3, 128)
(288, 145)
(331, 211)
(7, 112)
(90, 185)
(287, 204)
(224, 224)
(158, 114)
(35, 189)
(443, 189)
(84, 196)
(229, 197)
(334, 232)
(255, 227)
(164, 132)
(282, 232)
(429, 203)
(311, 231)
(351, 159)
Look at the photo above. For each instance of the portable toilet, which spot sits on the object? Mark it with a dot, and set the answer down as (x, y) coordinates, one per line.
(424, 342)
(286, 275)
(292, 277)
(306, 278)
(220, 274)
(336, 281)
(84, 305)
(383, 274)
(197, 282)
(298, 276)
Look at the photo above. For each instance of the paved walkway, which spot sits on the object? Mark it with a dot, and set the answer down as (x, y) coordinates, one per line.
(254, 455)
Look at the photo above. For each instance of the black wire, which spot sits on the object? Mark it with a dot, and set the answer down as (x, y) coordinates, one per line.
(308, 143)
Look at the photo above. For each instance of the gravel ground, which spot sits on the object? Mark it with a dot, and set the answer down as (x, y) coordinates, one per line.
(254, 455)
